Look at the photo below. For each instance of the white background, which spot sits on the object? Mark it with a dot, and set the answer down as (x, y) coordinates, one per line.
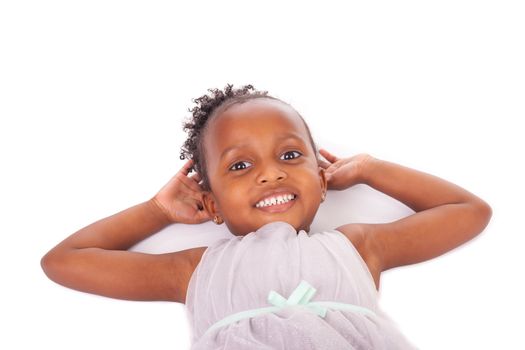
(93, 94)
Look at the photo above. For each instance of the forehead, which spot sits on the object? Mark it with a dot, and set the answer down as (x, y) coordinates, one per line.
(258, 117)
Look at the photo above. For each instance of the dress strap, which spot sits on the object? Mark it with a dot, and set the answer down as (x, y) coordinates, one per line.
(300, 296)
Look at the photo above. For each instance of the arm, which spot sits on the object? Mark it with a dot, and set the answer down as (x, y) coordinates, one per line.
(95, 259)
(446, 214)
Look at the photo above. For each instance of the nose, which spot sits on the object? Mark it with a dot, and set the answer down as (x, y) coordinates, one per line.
(270, 173)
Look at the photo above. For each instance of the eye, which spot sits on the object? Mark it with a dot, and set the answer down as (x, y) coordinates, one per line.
(291, 155)
(240, 166)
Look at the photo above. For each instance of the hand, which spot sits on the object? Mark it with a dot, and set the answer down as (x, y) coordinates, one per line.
(181, 198)
(342, 173)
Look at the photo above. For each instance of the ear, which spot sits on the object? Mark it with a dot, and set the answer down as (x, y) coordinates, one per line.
(210, 203)
(322, 178)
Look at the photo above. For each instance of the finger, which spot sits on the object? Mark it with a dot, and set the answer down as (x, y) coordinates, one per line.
(187, 180)
(190, 184)
(330, 170)
(203, 215)
(323, 164)
(328, 156)
(186, 168)
(197, 203)
(196, 177)
(191, 181)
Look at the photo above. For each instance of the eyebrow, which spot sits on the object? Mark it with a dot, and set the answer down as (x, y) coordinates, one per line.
(231, 148)
(241, 145)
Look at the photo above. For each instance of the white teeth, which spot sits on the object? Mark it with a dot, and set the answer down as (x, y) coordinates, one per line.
(275, 200)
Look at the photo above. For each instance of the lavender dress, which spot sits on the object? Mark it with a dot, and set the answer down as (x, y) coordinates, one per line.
(310, 277)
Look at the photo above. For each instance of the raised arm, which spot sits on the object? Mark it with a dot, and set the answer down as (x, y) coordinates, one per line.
(95, 259)
(446, 214)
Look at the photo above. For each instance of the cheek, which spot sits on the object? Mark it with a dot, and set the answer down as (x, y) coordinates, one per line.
(232, 199)
(313, 180)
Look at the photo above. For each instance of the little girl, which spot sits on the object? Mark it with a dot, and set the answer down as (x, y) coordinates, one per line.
(273, 284)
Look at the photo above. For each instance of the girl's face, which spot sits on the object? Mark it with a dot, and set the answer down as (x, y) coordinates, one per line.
(261, 167)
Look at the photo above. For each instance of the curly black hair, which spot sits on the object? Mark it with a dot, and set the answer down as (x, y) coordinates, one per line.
(209, 106)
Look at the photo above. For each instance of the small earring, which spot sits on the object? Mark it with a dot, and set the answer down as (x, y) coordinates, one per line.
(217, 220)
(323, 196)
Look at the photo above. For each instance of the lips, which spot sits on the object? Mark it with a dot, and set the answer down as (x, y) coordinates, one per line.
(277, 199)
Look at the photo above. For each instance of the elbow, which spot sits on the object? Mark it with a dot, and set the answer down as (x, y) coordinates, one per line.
(486, 211)
(51, 263)
(483, 212)
(47, 263)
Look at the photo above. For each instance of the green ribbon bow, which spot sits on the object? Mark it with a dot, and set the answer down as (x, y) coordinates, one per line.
(300, 296)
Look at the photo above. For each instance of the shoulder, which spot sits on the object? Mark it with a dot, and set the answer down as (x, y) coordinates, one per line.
(366, 245)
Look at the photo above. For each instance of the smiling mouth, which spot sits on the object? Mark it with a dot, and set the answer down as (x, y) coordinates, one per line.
(277, 204)
(276, 200)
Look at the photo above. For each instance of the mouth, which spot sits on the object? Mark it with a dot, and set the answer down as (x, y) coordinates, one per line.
(276, 203)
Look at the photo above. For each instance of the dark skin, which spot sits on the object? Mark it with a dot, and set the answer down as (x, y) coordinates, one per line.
(267, 149)
(95, 259)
